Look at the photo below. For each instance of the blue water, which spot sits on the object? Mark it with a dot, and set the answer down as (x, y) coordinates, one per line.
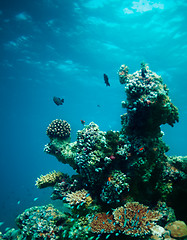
(62, 48)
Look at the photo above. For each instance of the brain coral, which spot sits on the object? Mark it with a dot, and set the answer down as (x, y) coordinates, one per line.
(58, 129)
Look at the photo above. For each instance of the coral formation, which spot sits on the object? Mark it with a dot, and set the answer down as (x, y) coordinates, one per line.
(125, 186)
(63, 150)
(43, 222)
(178, 229)
(135, 219)
(116, 185)
(49, 179)
(103, 223)
(59, 129)
(79, 197)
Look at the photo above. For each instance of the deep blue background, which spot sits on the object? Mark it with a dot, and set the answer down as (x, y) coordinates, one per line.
(62, 48)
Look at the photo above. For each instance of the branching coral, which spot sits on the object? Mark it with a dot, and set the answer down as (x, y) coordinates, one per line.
(78, 198)
(135, 219)
(49, 179)
(102, 223)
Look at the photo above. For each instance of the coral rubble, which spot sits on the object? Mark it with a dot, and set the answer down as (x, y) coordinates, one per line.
(126, 186)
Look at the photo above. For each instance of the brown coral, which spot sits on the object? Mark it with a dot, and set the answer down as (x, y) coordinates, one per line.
(103, 223)
(177, 229)
(59, 129)
(135, 219)
(49, 179)
(79, 197)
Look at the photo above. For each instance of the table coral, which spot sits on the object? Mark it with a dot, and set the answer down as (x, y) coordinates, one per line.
(135, 219)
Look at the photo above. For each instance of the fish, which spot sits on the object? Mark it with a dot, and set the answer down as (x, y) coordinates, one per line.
(98, 105)
(83, 122)
(18, 202)
(1, 223)
(58, 101)
(106, 80)
(36, 198)
(141, 149)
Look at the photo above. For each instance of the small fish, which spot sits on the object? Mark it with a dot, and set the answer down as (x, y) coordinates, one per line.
(1, 223)
(83, 122)
(106, 80)
(98, 105)
(141, 149)
(18, 202)
(35, 199)
(58, 101)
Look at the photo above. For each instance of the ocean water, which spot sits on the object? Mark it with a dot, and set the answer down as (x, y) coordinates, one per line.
(62, 48)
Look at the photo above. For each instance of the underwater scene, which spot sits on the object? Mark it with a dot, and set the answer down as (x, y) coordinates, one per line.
(93, 119)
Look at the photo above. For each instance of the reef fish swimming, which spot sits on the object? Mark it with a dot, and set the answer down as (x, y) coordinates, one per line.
(106, 80)
(58, 101)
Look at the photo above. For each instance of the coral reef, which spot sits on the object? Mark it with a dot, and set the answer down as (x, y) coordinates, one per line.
(125, 186)
(43, 222)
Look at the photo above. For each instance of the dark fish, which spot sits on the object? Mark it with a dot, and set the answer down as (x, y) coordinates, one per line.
(58, 101)
(98, 105)
(83, 122)
(106, 80)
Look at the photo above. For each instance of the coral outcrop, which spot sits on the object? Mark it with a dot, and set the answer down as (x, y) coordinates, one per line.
(59, 129)
(43, 222)
(126, 187)
(49, 179)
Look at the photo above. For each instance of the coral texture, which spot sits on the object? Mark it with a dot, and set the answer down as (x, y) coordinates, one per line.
(43, 222)
(79, 197)
(178, 229)
(49, 179)
(59, 129)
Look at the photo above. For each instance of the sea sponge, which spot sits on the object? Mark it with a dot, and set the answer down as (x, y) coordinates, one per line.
(49, 179)
(58, 129)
